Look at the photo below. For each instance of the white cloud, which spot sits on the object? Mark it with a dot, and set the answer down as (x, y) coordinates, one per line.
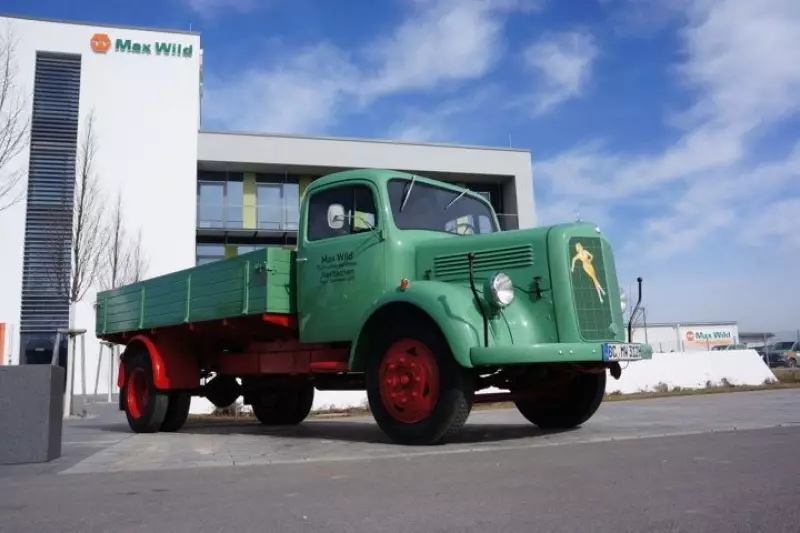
(721, 212)
(442, 41)
(438, 124)
(299, 94)
(745, 82)
(211, 8)
(561, 64)
(438, 44)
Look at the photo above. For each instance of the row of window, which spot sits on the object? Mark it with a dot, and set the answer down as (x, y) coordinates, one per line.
(350, 209)
(210, 252)
(220, 204)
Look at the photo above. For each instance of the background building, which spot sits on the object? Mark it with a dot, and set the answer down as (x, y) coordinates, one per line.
(687, 336)
(249, 186)
(131, 98)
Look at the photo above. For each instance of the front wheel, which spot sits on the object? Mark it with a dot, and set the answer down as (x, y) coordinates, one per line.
(417, 392)
(568, 405)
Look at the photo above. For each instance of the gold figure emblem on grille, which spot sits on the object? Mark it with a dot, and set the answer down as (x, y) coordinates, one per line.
(585, 257)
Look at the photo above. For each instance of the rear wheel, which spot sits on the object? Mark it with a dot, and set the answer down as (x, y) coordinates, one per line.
(284, 406)
(177, 411)
(418, 393)
(145, 406)
(568, 405)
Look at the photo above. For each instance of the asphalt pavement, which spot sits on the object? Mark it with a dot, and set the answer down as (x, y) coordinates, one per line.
(692, 464)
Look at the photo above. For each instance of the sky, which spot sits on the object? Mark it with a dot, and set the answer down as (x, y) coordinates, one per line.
(673, 124)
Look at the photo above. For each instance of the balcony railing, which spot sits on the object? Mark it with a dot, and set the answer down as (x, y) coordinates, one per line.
(280, 218)
(237, 217)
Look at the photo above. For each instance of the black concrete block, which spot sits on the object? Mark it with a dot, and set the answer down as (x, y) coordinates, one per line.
(31, 413)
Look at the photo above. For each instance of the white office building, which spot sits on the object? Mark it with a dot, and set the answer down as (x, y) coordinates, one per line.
(191, 195)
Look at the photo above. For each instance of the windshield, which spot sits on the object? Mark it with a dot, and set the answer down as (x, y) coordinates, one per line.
(433, 208)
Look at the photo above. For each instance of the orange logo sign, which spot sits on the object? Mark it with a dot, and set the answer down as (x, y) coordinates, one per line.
(100, 42)
(690, 336)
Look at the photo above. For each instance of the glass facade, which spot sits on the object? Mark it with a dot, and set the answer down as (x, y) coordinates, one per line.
(238, 212)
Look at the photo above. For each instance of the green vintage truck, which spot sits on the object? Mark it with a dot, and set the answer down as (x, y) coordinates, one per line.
(401, 286)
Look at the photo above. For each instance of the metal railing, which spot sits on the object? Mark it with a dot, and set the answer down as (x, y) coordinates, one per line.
(276, 217)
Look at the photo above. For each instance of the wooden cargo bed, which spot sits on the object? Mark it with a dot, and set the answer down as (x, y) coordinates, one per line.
(258, 282)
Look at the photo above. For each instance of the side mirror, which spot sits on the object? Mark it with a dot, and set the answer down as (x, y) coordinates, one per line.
(336, 216)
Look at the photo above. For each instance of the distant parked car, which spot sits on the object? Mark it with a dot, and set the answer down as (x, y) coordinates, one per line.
(779, 360)
(794, 354)
(729, 347)
(786, 349)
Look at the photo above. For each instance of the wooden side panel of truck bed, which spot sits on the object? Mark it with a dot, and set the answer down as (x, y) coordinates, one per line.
(257, 282)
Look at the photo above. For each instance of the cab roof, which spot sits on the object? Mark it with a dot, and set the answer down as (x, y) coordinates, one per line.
(378, 176)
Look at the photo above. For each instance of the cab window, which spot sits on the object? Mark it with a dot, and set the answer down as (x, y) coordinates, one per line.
(353, 207)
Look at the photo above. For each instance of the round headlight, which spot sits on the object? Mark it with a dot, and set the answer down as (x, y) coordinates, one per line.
(623, 300)
(502, 289)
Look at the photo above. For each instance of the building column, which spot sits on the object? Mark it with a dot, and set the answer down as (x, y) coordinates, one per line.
(249, 201)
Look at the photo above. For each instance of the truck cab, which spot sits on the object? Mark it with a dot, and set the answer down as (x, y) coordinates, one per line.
(376, 238)
(400, 285)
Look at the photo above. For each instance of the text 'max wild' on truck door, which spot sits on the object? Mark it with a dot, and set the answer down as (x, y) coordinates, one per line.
(340, 268)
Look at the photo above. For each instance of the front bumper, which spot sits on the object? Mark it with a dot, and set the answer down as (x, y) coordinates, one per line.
(552, 353)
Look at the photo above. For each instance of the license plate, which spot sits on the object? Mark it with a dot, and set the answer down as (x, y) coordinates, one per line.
(621, 352)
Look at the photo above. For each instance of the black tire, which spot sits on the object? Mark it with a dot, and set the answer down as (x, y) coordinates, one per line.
(149, 417)
(570, 406)
(222, 391)
(450, 407)
(285, 406)
(177, 411)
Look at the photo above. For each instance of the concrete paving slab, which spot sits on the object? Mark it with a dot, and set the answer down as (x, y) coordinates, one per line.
(214, 444)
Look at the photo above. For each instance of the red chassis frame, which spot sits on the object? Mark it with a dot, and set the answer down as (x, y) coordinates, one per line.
(249, 345)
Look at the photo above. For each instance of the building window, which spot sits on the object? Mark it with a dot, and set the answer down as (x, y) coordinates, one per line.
(359, 211)
(278, 206)
(247, 248)
(208, 253)
(220, 199)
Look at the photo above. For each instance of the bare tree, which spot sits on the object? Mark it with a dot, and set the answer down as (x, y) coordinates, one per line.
(138, 263)
(124, 260)
(76, 268)
(116, 256)
(14, 122)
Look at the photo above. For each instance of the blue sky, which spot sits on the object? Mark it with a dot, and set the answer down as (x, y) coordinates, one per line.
(672, 123)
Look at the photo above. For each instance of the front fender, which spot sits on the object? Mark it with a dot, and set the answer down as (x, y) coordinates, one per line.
(451, 307)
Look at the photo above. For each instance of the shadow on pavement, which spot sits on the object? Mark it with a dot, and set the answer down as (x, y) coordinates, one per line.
(343, 430)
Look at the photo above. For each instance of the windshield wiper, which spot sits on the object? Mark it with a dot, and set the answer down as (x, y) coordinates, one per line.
(408, 193)
(457, 198)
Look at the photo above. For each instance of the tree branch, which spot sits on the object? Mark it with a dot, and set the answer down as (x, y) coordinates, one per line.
(14, 122)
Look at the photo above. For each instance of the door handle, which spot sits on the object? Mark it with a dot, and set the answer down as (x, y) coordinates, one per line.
(301, 259)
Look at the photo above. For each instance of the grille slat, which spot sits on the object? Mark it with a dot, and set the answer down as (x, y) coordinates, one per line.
(453, 267)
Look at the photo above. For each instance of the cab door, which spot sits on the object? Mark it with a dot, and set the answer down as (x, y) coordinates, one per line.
(340, 261)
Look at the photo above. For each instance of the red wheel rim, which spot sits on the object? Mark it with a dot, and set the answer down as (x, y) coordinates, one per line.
(409, 381)
(137, 394)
